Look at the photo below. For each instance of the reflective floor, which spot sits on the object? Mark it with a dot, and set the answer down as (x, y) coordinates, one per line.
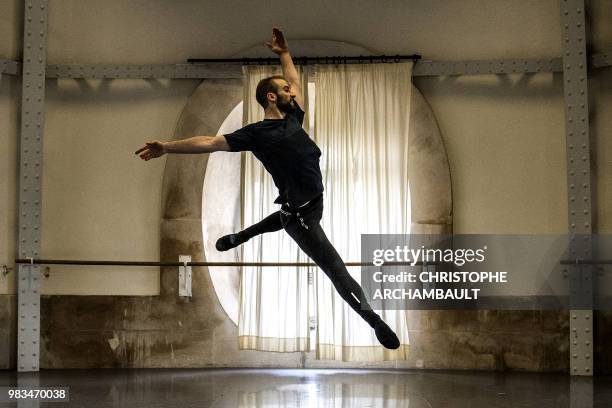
(312, 388)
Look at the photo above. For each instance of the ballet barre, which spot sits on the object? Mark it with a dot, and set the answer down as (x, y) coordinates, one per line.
(33, 261)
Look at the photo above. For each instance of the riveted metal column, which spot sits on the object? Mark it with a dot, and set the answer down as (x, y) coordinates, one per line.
(579, 185)
(30, 180)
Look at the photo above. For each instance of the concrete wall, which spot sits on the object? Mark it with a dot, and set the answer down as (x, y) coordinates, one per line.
(504, 137)
(11, 12)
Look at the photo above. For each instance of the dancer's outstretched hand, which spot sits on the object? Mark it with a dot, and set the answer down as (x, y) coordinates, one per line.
(278, 45)
(151, 150)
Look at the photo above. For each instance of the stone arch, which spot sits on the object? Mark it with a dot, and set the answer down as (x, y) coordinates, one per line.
(184, 178)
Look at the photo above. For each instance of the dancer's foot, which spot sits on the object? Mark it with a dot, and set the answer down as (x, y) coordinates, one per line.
(385, 335)
(227, 242)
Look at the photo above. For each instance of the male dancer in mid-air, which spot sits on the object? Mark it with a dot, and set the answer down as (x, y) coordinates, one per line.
(292, 158)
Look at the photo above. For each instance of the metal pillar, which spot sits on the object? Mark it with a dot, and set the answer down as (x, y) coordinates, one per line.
(575, 79)
(579, 183)
(30, 178)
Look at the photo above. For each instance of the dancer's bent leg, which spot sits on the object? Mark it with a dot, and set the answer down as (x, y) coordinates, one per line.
(269, 224)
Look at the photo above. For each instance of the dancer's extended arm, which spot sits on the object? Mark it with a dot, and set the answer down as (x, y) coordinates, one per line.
(192, 145)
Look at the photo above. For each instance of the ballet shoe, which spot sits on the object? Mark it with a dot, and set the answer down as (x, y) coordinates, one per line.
(386, 336)
(227, 242)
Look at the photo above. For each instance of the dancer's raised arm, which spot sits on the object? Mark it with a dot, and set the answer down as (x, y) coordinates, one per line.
(279, 46)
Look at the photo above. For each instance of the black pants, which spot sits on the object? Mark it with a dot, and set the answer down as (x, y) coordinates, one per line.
(302, 224)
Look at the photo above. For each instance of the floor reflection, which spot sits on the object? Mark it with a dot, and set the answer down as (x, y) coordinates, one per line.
(254, 388)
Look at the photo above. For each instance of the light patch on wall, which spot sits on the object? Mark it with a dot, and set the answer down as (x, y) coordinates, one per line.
(221, 216)
(114, 342)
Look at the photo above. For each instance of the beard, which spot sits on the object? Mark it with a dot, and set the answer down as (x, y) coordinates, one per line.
(286, 107)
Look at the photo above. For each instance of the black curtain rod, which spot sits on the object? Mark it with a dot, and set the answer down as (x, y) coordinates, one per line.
(361, 59)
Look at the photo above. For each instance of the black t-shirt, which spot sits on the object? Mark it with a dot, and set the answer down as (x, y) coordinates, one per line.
(287, 153)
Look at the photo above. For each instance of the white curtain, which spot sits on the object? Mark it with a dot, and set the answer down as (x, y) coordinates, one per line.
(362, 117)
(361, 125)
(274, 301)
(330, 392)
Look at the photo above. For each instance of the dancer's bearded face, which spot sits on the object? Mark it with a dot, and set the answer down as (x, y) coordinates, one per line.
(284, 97)
(285, 104)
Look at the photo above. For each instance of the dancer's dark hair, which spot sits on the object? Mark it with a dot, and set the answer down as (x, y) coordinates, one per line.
(263, 87)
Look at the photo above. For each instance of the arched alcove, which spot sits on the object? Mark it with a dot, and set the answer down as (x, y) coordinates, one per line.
(217, 176)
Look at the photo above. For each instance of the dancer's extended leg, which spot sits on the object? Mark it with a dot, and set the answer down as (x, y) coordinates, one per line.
(315, 244)
(269, 224)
